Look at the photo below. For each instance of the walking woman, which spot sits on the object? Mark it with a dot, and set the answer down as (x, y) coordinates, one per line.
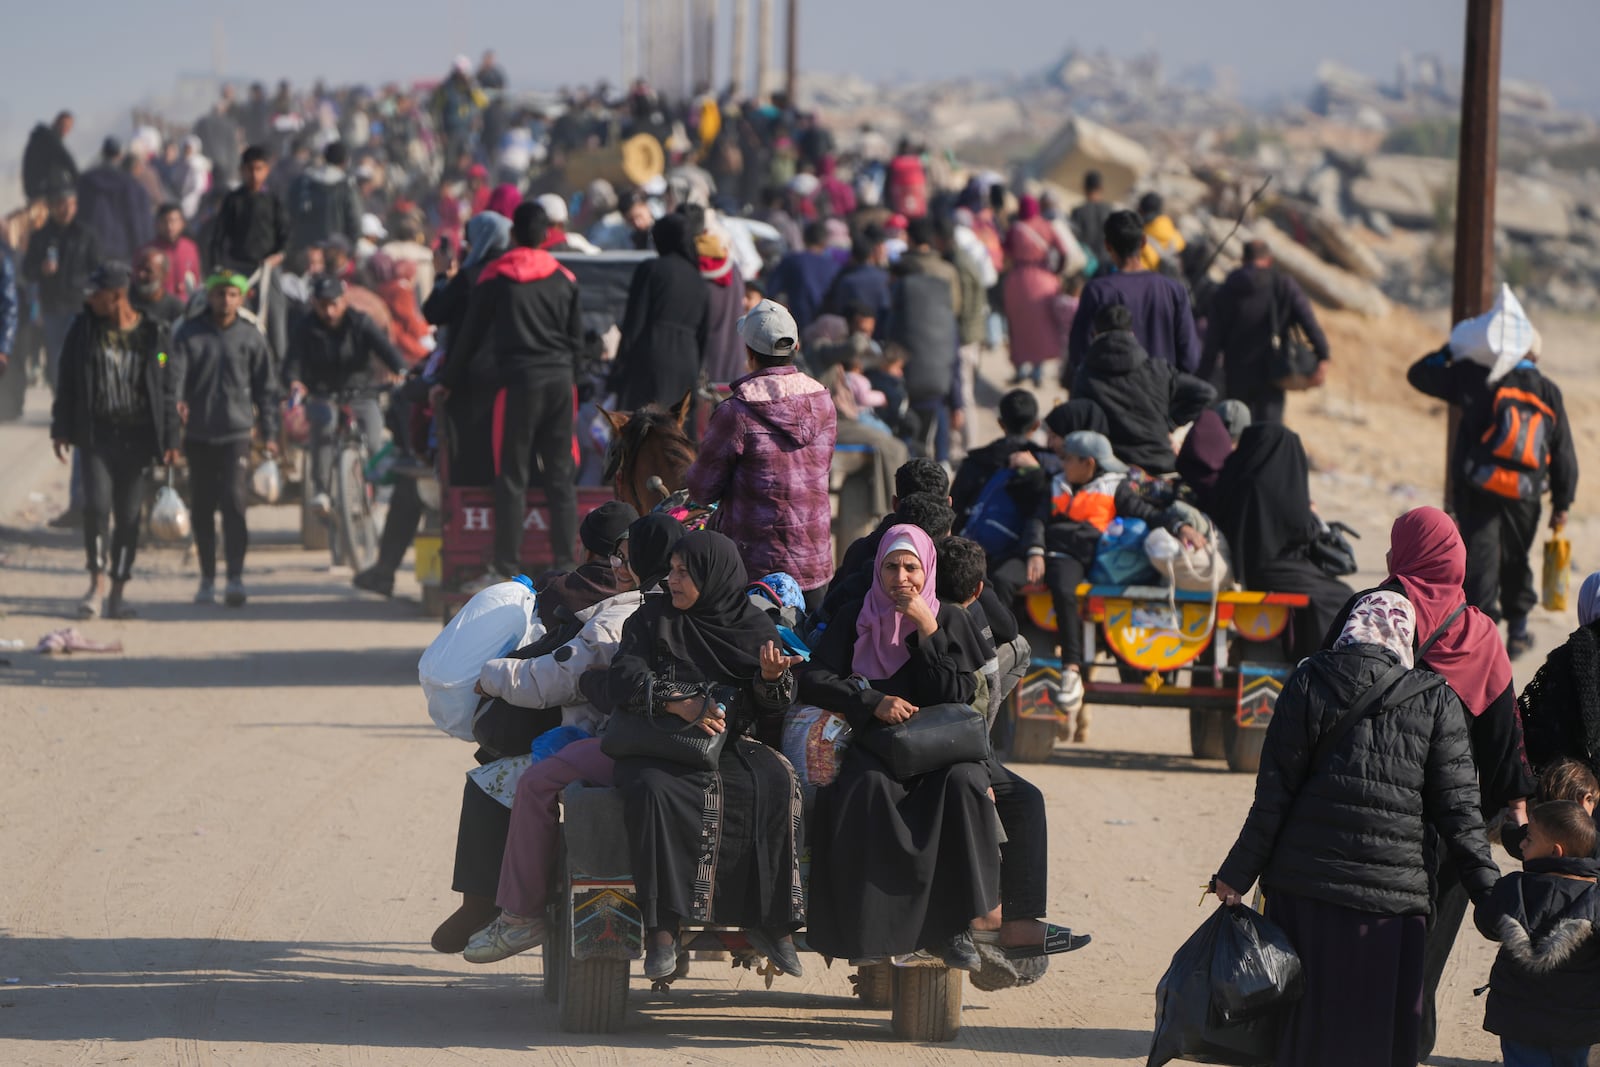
(1262, 503)
(1427, 565)
(718, 846)
(1031, 287)
(666, 322)
(1336, 835)
(113, 404)
(1561, 706)
(900, 866)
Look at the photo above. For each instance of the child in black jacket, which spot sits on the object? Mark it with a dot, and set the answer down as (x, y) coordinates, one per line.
(1544, 990)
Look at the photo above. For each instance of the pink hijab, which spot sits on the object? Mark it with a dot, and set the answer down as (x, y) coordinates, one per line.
(1429, 560)
(504, 200)
(881, 631)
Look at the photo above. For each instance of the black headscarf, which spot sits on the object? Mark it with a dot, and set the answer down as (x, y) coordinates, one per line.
(673, 237)
(1075, 415)
(1262, 500)
(717, 641)
(651, 541)
(1205, 451)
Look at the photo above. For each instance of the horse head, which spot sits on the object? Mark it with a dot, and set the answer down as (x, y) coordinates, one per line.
(649, 454)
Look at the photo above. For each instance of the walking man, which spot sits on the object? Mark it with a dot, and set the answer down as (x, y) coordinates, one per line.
(222, 374)
(1251, 315)
(1158, 305)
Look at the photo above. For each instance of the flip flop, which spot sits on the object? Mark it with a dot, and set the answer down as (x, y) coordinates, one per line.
(1057, 939)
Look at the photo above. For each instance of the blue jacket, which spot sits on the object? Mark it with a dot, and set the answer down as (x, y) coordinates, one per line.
(8, 301)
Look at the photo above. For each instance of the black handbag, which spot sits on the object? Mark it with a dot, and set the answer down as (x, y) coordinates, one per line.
(646, 735)
(1331, 550)
(1293, 363)
(936, 736)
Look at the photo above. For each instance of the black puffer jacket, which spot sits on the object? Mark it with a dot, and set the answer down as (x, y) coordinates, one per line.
(1144, 399)
(1546, 981)
(1355, 837)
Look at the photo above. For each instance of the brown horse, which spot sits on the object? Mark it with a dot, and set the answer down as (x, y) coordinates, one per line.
(649, 454)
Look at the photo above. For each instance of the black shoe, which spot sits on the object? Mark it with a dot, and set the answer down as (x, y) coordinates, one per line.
(1519, 643)
(780, 951)
(372, 581)
(960, 954)
(71, 519)
(660, 961)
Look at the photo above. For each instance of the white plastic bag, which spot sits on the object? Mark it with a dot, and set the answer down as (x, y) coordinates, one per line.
(169, 518)
(1498, 338)
(495, 622)
(266, 481)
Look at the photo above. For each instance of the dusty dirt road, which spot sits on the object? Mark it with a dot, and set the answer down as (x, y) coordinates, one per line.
(229, 844)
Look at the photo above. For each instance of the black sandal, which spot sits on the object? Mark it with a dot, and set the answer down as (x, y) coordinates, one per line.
(1057, 939)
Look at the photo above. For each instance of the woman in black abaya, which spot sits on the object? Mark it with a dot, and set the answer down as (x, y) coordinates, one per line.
(1262, 504)
(710, 846)
(899, 866)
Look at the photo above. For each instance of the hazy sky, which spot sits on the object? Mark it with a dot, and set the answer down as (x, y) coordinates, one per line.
(93, 57)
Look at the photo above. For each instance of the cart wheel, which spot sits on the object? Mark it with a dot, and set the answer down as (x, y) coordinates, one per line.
(1033, 740)
(1206, 726)
(592, 995)
(1243, 744)
(927, 1004)
(875, 986)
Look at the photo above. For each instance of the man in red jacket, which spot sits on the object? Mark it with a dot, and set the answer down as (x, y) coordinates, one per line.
(524, 310)
(766, 456)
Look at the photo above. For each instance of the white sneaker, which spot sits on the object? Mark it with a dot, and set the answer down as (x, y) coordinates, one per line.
(1069, 694)
(207, 593)
(321, 506)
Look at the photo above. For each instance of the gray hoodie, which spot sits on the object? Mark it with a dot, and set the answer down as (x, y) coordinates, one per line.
(225, 376)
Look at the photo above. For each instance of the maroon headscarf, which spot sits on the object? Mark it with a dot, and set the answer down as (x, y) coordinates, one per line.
(1204, 451)
(1027, 208)
(1429, 560)
(504, 200)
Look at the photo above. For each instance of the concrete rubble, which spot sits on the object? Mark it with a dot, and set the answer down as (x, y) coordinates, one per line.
(1361, 203)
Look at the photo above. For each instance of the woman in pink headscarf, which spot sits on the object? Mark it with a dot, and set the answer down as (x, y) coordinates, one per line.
(899, 866)
(1428, 563)
(504, 200)
(1033, 249)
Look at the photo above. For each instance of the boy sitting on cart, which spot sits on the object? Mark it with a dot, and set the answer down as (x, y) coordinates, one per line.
(1063, 535)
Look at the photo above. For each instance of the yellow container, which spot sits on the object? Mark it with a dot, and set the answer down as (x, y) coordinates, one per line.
(428, 549)
(1557, 572)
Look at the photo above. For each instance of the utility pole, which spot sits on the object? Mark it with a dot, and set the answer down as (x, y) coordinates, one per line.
(763, 49)
(1475, 182)
(736, 54)
(792, 45)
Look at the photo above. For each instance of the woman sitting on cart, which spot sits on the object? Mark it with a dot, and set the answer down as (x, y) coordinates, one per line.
(1262, 504)
(902, 866)
(718, 847)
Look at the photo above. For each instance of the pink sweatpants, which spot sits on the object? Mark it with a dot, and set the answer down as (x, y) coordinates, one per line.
(531, 843)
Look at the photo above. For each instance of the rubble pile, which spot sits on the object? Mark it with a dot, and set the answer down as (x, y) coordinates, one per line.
(1362, 173)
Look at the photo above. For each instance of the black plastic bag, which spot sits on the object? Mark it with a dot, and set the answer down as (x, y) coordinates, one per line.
(1254, 969)
(1189, 1026)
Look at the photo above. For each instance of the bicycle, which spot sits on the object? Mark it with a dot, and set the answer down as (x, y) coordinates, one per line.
(353, 525)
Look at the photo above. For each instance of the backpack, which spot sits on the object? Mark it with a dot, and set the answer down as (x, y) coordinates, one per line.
(1512, 458)
(995, 521)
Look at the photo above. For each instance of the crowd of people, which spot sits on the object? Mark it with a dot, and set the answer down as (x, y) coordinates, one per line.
(294, 254)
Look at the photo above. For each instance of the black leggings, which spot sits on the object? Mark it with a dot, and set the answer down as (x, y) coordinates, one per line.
(113, 492)
(219, 475)
(1025, 855)
(1062, 574)
(538, 420)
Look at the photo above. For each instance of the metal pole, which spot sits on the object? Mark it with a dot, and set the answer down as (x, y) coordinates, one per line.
(763, 48)
(737, 47)
(1475, 182)
(630, 44)
(792, 44)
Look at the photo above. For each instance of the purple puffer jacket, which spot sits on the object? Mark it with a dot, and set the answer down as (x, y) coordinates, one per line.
(765, 460)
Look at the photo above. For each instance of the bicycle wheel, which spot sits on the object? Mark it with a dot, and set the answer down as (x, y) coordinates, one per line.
(358, 530)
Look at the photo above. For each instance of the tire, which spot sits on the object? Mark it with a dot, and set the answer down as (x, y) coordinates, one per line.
(591, 995)
(927, 1004)
(1243, 745)
(875, 986)
(313, 531)
(1033, 740)
(1206, 728)
(358, 530)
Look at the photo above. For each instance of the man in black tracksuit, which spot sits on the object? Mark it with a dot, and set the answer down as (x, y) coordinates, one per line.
(1253, 305)
(252, 225)
(1144, 399)
(222, 372)
(524, 309)
(1500, 477)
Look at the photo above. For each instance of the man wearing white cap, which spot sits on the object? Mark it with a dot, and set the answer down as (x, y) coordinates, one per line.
(559, 240)
(766, 455)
